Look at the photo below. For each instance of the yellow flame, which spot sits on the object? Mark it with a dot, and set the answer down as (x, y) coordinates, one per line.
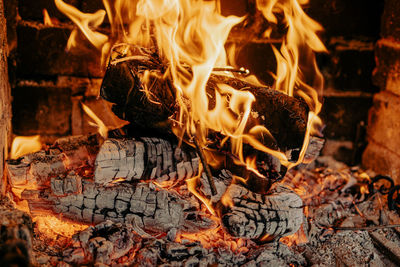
(46, 18)
(52, 226)
(190, 36)
(192, 185)
(23, 145)
(102, 128)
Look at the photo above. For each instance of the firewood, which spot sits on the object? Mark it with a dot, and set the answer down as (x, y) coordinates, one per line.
(146, 158)
(265, 217)
(284, 116)
(82, 200)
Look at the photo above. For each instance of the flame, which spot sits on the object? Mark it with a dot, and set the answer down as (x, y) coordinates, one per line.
(190, 36)
(192, 184)
(102, 128)
(23, 145)
(46, 18)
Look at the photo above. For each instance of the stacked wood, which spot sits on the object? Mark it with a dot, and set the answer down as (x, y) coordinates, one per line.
(5, 97)
(124, 85)
(265, 217)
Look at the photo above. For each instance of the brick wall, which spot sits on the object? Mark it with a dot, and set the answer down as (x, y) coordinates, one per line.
(5, 98)
(49, 84)
(383, 151)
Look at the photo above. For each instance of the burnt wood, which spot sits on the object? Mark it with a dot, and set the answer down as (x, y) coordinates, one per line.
(264, 217)
(284, 116)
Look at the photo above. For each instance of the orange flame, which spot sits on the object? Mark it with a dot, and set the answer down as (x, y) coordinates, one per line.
(46, 18)
(102, 128)
(190, 35)
(23, 145)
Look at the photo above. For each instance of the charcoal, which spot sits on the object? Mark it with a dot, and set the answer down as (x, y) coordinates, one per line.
(265, 217)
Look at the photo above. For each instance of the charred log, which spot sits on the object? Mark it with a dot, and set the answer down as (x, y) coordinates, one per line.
(70, 153)
(146, 158)
(284, 116)
(265, 217)
(145, 205)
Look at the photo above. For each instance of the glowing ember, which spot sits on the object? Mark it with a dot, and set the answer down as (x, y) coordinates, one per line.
(191, 37)
(53, 227)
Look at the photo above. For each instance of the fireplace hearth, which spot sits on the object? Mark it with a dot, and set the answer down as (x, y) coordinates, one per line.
(137, 141)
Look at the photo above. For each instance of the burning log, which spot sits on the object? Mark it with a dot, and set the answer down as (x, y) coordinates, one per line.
(265, 217)
(123, 84)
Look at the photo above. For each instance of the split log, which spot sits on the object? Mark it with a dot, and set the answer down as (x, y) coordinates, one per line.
(16, 233)
(150, 207)
(265, 217)
(284, 116)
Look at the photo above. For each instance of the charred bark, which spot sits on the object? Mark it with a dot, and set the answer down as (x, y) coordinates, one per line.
(145, 205)
(284, 116)
(265, 217)
(35, 169)
(146, 158)
(108, 243)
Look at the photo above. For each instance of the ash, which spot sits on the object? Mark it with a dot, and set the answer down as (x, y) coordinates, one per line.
(347, 221)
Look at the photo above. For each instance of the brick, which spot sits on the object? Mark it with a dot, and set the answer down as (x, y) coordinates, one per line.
(41, 110)
(387, 70)
(347, 18)
(33, 10)
(5, 97)
(382, 160)
(349, 65)
(41, 51)
(390, 26)
(383, 121)
(342, 114)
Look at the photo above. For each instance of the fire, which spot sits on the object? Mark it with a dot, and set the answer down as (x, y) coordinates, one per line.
(102, 128)
(53, 227)
(190, 37)
(23, 145)
(46, 18)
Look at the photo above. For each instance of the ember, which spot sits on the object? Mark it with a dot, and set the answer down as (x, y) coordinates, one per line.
(205, 163)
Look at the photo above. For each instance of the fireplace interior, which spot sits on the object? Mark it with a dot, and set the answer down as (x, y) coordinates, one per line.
(110, 176)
